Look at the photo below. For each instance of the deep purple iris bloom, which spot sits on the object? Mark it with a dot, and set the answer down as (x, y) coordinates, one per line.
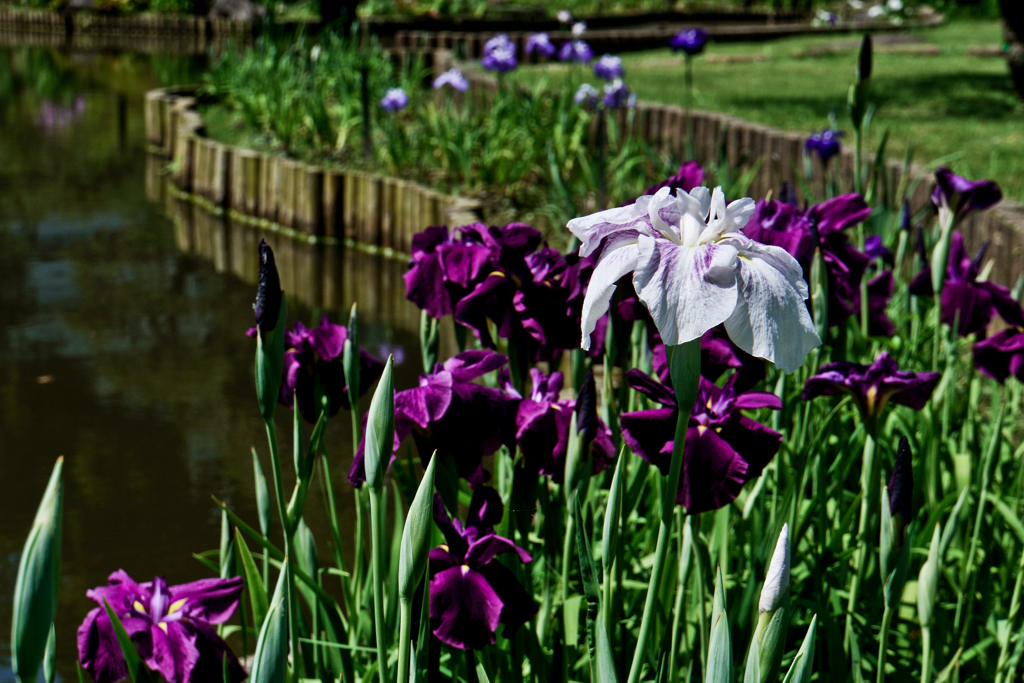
(616, 94)
(873, 386)
(800, 232)
(499, 54)
(825, 144)
(575, 50)
(690, 175)
(447, 412)
(724, 449)
(962, 196)
(173, 627)
(542, 428)
(541, 44)
(470, 593)
(1001, 355)
(313, 367)
(445, 267)
(718, 354)
(533, 296)
(609, 67)
(689, 40)
(966, 298)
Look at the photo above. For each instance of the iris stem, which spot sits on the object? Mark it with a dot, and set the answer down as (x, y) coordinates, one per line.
(685, 554)
(404, 641)
(685, 366)
(926, 654)
(1004, 650)
(286, 528)
(870, 468)
(376, 561)
(883, 641)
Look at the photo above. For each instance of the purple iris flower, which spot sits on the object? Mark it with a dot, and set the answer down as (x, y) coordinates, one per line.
(586, 95)
(575, 50)
(534, 297)
(268, 292)
(800, 232)
(454, 78)
(873, 386)
(718, 354)
(541, 44)
(445, 267)
(609, 67)
(875, 249)
(962, 196)
(724, 449)
(499, 54)
(470, 593)
(966, 298)
(542, 428)
(615, 94)
(173, 627)
(1001, 355)
(314, 369)
(825, 144)
(689, 40)
(449, 413)
(394, 99)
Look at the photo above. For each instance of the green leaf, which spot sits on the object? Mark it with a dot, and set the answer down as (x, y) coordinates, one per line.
(753, 672)
(270, 662)
(227, 549)
(720, 647)
(1009, 515)
(137, 670)
(588, 574)
(802, 666)
(613, 514)
(253, 582)
(38, 581)
(946, 674)
(571, 614)
(50, 658)
(262, 495)
(928, 581)
(380, 429)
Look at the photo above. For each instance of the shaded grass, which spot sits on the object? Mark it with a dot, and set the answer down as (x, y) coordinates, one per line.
(950, 103)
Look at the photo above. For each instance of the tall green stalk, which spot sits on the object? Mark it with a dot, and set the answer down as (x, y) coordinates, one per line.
(684, 360)
(869, 477)
(289, 548)
(377, 565)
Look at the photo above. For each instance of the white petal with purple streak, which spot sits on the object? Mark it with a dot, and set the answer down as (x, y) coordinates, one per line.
(617, 260)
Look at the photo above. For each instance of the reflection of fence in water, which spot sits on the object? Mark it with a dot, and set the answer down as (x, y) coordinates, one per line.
(317, 276)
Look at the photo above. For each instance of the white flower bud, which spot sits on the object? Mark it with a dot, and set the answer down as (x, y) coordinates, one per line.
(776, 583)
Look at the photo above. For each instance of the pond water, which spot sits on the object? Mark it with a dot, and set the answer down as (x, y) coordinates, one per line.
(122, 342)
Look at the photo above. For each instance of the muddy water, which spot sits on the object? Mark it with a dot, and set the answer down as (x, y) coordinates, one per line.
(122, 342)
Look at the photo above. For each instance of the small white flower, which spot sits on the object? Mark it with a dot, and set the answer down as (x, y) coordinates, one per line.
(579, 28)
(564, 17)
(876, 11)
(694, 269)
(856, 4)
(776, 583)
(895, 5)
(314, 53)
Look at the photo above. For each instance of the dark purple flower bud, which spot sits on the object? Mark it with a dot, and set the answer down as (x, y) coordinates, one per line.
(609, 68)
(873, 386)
(541, 44)
(875, 249)
(689, 40)
(962, 196)
(905, 216)
(724, 449)
(825, 144)
(268, 292)
(864, 61)
(901, 483)
(177, 622)
(586, 408)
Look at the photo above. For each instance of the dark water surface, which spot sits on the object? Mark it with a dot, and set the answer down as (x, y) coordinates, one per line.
(122, 341)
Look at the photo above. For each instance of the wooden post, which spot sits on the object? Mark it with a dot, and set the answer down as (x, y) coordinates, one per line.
(334, 204)
(387, 213)
(349, 204)
(309, 199)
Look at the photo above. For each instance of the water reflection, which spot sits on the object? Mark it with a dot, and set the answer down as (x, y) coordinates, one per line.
(122, 339)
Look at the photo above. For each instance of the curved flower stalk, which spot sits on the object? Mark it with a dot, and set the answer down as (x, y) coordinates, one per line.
(314, 370)
(694, 270)
(449, 413)
(173, 627)
(470, 593)
(964, 297)
(723, 450)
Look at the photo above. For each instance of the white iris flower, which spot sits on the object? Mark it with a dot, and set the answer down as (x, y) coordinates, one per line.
(694, 270)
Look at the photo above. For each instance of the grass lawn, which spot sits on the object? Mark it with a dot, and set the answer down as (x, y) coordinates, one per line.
(949, 103)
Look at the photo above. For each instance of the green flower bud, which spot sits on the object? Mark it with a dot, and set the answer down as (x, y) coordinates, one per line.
(412, 560)
(928, 581)
(380, 429)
